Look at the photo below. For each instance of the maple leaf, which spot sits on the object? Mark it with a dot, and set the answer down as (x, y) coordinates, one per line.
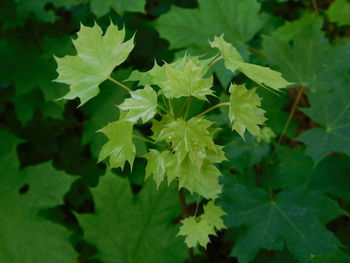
(295, 219)
(239, 20)
(190, 138)
(119, 147)
(101, 8)
(203, 181)
(197, 229)
(212, 214)
(331, 109)
(128, 228)
(185, 77)
(243, 110)
(153, 76)
(142, 104)
(156, 165)
(23, 230)
(339, 11)
(97, 56)
(264, 76)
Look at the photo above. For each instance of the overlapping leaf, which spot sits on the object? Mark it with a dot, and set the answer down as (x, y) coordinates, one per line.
(338, 12)
(197, 229)
(331, 109)
(25, 235)
(124, 229)
(189, 138)
(264, 76)
(244, 112)
(295, 217)
(100, 8)
(97, 56)
(119, 147)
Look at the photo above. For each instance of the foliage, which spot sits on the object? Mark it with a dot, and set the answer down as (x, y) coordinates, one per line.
(111, 110)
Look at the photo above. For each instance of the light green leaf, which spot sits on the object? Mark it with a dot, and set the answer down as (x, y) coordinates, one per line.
(264, 76)
(119, 147)
(158, 126)
(339, 11)
(26, 236)
(97, 56)
(100, 8)
(232, 57)
(185, 77)
(212, 214)
(127, 228)
(156, 164)
(295, 219)
(154, 76)
(190, 138)
(203, 181)
(244, 111)
(141, 105)
(196, 231)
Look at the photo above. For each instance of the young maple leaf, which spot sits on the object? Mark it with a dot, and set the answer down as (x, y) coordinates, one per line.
(264, 76)
(97, 56)
(197, 229)
(142, 104)
(119, 147)
(190, 138)
(244, 111)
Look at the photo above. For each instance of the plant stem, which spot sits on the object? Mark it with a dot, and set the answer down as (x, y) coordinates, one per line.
(184, 215)
(146, 140)
(119, 84)
(212, 108)
(183, 106)
(188, 108)
(256, 51)
(215, 61)
(291, 114)
(315, 7)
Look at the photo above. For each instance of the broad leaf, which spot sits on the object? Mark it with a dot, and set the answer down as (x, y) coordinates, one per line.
(97, 56)
(191, 138)
(339, 11)
(141, 105)
(25, 235)
(129, 229)
(196, 232)
(295, 218)
(156, 165)
(244, 112)
(197, 229)
(185, 77)
(203, 181)
(239, 20)
(153, 76)
(119, 147)
(264, 76)
(100, 8)
(332, 111)
(212, 214)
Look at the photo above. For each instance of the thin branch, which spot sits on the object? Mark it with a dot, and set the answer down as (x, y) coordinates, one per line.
(188, 108)
(182, 197)
(212, 108)
(256, 51)
(315, 7)
(215, 61)
(183, 106)
(119, 84)
(291, 114)
(146, 140)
